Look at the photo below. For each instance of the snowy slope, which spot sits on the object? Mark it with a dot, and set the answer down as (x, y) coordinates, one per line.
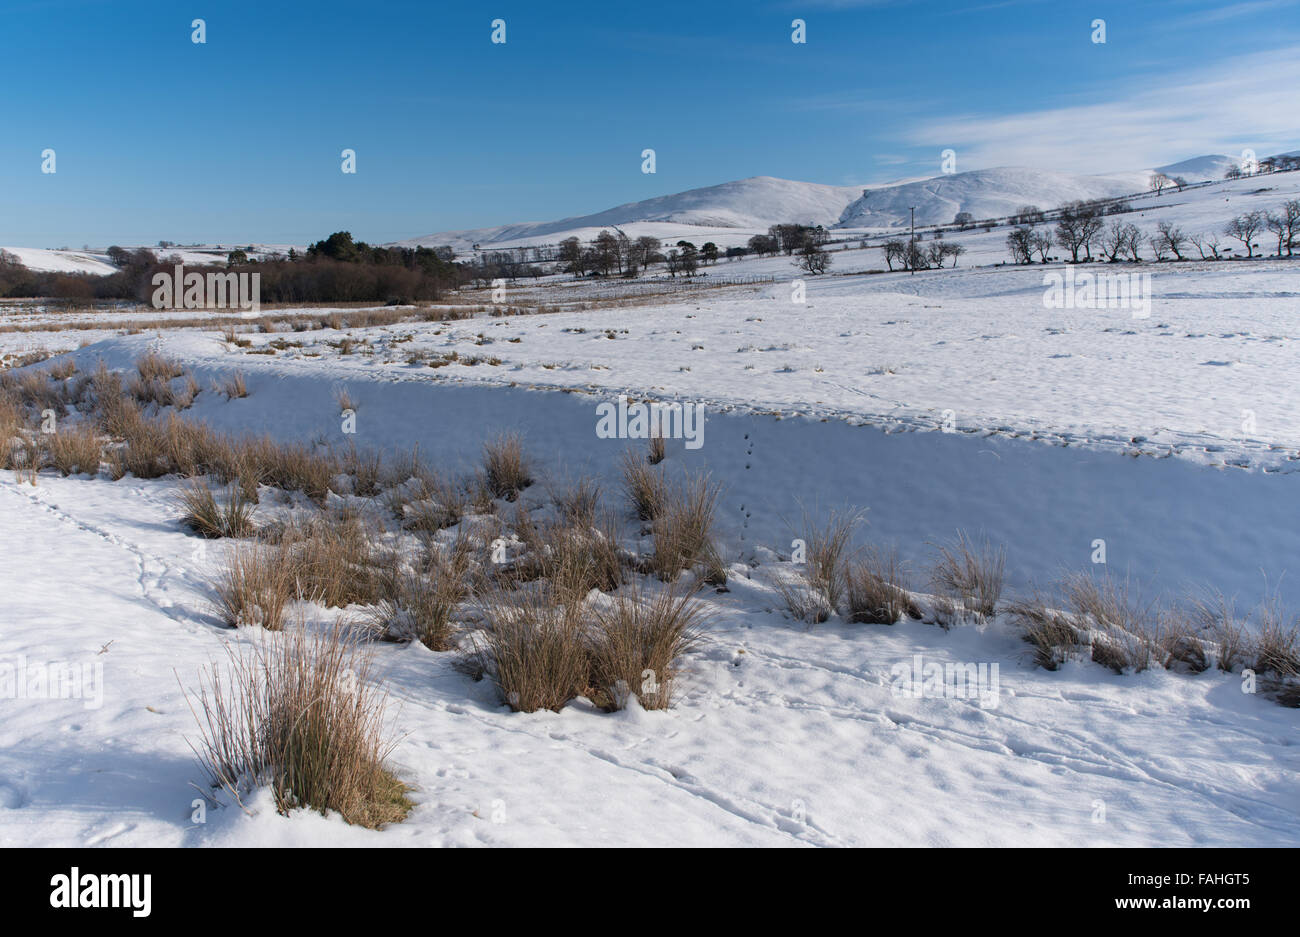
(748, 203)
(985, 193)
(96, 262)
(1200, 168)
(783, 734)
(59, 261)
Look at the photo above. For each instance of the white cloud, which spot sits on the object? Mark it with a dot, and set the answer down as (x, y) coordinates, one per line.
(1243, 102)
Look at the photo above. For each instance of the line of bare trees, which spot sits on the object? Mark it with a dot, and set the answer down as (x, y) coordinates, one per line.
(909, 254)
(1080, 226)
(612, 252)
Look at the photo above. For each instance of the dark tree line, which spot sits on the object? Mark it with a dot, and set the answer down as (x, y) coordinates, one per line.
(336, 269)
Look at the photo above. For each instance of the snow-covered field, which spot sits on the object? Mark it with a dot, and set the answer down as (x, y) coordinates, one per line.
(784, 734)
(1068, 426)
(949, 401)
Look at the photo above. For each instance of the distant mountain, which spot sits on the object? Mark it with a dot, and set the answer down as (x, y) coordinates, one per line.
(749, 204)
(1201, 168)
(985, 193)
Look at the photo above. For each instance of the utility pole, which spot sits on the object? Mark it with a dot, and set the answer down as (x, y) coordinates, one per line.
(911, 245)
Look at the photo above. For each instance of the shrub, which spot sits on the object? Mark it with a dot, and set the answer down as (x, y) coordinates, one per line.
(301, 715)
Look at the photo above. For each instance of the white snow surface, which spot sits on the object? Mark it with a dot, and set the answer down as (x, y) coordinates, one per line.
(1070, 426)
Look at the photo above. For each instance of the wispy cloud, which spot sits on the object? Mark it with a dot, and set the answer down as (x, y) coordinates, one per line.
(1233, 11)
(1244, 102)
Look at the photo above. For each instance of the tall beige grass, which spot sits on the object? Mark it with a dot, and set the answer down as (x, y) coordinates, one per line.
(299, 713)
(639, 642)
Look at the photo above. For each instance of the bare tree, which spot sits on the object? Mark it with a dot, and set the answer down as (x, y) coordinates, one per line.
(1020, 243)
(1070, 230)
(1158, 182)
(813, 257)
(1244, 228)
(1284, 225)
(1041, 243)
(895, 249)
(571, 255)
(914, 258)
(1207, 245)
(1116, 238)
(1171, 238)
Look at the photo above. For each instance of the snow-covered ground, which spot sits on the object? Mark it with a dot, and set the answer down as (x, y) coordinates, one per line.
(784, 734)
(945, 401)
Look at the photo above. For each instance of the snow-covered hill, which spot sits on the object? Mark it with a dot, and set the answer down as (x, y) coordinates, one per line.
(985, 193)
(748, 203)
(729, 213)
(1200, 168)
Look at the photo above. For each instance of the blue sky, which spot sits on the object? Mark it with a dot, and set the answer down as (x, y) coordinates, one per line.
(239, 139)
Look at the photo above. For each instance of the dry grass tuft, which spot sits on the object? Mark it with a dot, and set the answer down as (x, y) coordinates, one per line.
(209, 518)
(1229, 638)
(874, 590)
(1052, 632)
(505, 467)
(638, 644)
(579, 502)
(75, 449)
(334, 558)
(152, 366)
(826, 550)
(1125, 631)
(537, 652)
(683, 530)
(645, 487)
(62, 370)
(233, 386)
(1276, 645)
(970, 575)
(300, 714)
(255, 585)
(419, 604)
(802, 601)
